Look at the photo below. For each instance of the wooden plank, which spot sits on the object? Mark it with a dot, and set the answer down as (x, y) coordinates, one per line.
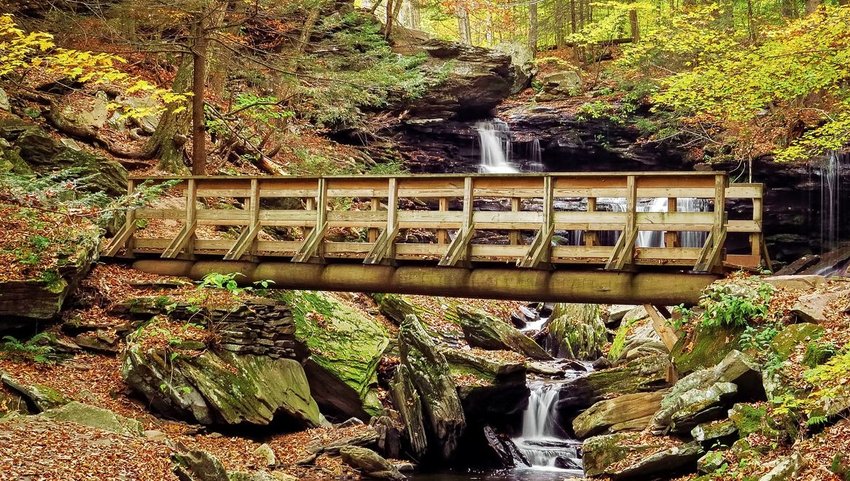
(375, 204)
(671, 237)
(659, 323)
(313, 241)
(624, 250)
(591, 237)
(459, 248)
(180, 242)
(383, 247)
(167, 214)
(246, 239)
(124, 235)
(443, 234)
(539, 250)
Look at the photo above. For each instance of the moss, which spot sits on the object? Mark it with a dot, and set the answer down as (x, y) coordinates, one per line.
(705, 347)
(794, 335)
(341, 340)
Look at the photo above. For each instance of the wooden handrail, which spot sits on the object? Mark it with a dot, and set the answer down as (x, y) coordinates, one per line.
(445, 213)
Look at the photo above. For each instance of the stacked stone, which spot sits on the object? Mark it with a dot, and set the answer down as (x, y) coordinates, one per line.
(255, 327)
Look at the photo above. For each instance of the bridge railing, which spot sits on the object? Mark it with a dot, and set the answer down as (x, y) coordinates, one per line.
(531, 220)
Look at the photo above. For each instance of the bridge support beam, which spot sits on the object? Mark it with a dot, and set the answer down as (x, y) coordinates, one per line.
(606, 287)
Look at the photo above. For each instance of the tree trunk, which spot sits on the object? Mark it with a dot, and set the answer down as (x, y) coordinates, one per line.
(199, 77)
(388, 30)
(559, 24)
(415, 14)
(572, 16)
(169, 140)
(463, 27)
(812, 5)
(532, 27)
(307, 32)
(633, 21)
(751, 26)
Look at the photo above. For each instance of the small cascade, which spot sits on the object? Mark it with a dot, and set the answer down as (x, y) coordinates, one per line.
(656, 238)
(831, 200)
(542, 441)
(495, 142)
(535, 156)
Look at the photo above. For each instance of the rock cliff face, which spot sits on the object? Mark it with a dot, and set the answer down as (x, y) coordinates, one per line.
(795, 195)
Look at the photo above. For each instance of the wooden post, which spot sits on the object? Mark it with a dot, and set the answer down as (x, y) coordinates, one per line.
(191, 215)
(392, 216)
(255, 214)
(321, 213)
(631, 219)
(514, 235)
(373, 232)
(671, 238)
(443, 234)
(591, 237)
(659, 323)
(756, 238)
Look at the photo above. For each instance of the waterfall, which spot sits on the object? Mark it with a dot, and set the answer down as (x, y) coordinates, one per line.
(536, 156)
(495, 142)
(542, 442)
(830, 201)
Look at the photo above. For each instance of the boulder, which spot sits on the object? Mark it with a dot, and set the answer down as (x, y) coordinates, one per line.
(714, 432)
(198, 465)
(815, 308)
(265, 451)
(711, 462)
(645, 374)
(487, 332)
(787, 468)
(409, 406)
(793, 337)
(395, 307)
(576, 331)
(755, 419)
(345, 348)
(502, 451)
(616, 312)
(430, 373)
(703, 395)
(95, 417)
(92, 116)
(44, 154)
(629, 412)
(704, 347)
(796, 282)
(632, 456)
(561, 84)
(636, 338)
(370, 463)
(467, 80)
(39, 397)
(220, 387)
(491, 388)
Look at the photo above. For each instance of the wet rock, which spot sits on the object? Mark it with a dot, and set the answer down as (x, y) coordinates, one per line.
(502, 450)
(41, 398)
(485, 331)
(576, 331)
(95, 417)
(430, 373)
(370, 463)
(346, 347)
(605, 455)
(494, 388)
(389, 436)
(408, 403)
(220, 387)
(630, 412)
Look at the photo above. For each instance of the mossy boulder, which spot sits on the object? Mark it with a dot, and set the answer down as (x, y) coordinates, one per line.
(632, 456)
(370, 464)
(444, 417)
(345, 348)
(645, 374)
(794, 336)
(705, 394)
(408, 403)
(714, 432)
(576, 331)
(756, 419)
(95, 417)
(704, 347)
(487, 332)
(629, 412)
(40, 398)
(220, 387)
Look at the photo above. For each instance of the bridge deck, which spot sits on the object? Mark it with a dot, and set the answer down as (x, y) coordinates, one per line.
(525, 220)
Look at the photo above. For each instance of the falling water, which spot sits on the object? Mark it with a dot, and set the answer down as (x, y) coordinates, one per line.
(536, 156)
(686, 238)
(830, 197)
(495, 139)
(542, 441)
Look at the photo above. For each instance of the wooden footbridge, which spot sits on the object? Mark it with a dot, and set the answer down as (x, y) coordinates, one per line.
(561, 237)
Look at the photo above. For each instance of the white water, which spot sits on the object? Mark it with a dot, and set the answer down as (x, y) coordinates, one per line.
(830, 197)
(495, 143)
(686, 239)
(541, 441)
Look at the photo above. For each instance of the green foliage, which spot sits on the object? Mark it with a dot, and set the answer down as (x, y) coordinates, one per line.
(735, 304)
(819, 352)
(36, 349)
(757, 339)
(228, 282)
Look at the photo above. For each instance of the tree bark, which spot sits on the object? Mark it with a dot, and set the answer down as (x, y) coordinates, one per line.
(169, 139)
(464, 28)
(199, 77)
(633, 21)
(307, 32)
(532, 27)
(559, 24)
